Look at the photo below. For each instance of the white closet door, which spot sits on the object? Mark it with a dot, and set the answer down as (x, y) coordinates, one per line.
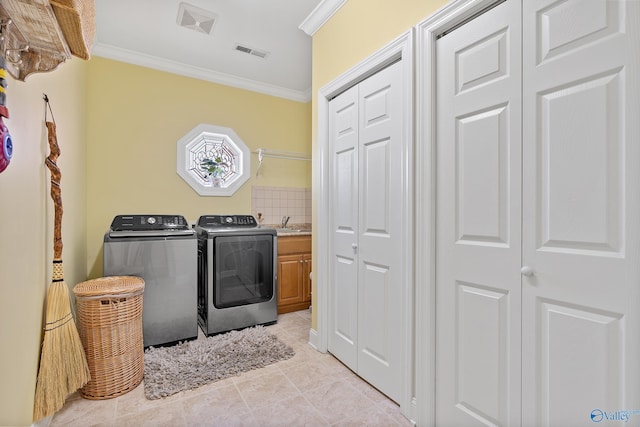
(343, 170)
(478, 217)
(581, 211)
(380, 246)
(369, 202)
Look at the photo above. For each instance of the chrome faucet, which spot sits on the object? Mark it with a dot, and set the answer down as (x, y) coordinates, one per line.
(285, 220)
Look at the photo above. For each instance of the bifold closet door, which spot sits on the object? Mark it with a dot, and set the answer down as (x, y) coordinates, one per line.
(581, 234)
(478, 217)
(367, 146)
(537, 319)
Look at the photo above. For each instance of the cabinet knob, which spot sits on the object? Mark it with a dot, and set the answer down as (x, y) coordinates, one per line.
(354, 246)
(526, 271)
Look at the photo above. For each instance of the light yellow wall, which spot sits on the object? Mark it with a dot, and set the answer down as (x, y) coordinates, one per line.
(360, 28)
(356, 31)
(136, 117)
(117, 126)
(26, 215)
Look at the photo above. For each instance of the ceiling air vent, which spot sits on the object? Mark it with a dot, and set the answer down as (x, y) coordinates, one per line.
(196, 19)
(251, 51)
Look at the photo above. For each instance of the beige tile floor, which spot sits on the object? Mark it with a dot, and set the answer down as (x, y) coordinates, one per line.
(310, 389)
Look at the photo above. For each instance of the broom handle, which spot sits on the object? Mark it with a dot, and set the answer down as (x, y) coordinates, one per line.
(55, 188)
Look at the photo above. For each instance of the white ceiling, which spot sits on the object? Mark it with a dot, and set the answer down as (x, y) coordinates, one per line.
(146, 32)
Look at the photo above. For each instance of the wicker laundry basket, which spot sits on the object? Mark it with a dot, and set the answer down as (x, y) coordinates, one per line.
(109, 315)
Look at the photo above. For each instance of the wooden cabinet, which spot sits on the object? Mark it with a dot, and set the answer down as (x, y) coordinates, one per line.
(294, 266)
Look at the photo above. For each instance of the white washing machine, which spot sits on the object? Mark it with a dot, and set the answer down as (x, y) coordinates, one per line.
(162, 249)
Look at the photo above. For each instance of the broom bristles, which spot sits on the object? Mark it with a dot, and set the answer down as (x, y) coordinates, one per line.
(63, 364)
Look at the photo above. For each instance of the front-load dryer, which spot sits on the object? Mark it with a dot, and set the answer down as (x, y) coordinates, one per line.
(237, 267)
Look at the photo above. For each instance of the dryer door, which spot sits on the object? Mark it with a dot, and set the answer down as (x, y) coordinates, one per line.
(243, 270)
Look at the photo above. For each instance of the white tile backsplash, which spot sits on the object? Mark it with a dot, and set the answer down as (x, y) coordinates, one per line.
(275, 202)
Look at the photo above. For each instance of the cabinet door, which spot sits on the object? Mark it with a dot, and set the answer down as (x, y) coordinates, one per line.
(290, 289)
(306, 280)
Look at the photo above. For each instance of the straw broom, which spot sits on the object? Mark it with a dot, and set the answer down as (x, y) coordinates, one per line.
(63, 364)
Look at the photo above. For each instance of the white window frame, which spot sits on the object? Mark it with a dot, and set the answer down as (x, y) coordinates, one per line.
(189, 150)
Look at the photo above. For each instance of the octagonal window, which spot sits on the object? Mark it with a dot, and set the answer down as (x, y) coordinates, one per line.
(213, 160)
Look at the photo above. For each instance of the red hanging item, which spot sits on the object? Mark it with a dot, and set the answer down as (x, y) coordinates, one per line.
(6, 144)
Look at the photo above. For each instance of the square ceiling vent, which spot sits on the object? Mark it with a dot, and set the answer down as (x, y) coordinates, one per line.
(196, 19)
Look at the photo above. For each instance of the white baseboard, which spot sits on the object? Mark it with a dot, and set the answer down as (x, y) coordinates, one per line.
(45, 422)
(313, 339)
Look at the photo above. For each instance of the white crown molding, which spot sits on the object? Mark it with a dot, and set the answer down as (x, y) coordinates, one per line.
(137, 58)
(320, 15)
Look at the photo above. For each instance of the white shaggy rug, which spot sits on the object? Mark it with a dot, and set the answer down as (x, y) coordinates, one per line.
(191, 364)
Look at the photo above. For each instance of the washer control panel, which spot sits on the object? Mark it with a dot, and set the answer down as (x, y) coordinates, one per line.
(149, 223)
(215, 221)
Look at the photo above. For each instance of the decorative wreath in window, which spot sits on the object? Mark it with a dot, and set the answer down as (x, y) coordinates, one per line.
(213, 160)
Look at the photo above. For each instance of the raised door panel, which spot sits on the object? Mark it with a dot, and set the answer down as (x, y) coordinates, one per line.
(478, 216)
(480, 368)
(482, 184)
(582, 363)
(580, 207)
(580, 214)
